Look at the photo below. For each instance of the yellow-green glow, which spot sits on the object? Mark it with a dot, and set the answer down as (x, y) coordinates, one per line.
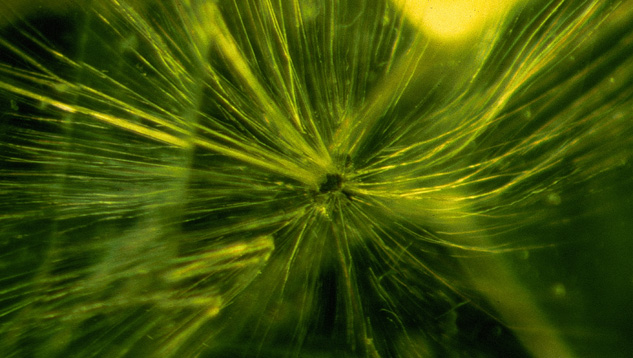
(454, 20)
(305, 178)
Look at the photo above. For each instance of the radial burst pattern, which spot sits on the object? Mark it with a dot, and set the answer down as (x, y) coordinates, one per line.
(357, 178)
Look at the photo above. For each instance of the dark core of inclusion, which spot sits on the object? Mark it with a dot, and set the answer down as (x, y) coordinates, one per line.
(332, 182)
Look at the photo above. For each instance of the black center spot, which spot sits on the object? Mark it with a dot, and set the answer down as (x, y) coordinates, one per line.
(332, 182)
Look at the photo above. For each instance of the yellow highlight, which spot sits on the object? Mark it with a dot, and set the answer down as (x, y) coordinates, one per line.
(453, 20)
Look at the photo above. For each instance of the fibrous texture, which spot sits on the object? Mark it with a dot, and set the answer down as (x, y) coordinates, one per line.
(380, 178)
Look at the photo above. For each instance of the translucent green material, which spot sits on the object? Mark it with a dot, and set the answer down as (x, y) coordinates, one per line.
(272, 178)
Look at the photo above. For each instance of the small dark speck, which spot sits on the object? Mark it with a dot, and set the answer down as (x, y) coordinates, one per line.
(332, 182)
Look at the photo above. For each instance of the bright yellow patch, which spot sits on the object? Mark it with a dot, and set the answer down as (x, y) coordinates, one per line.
(453, 20)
